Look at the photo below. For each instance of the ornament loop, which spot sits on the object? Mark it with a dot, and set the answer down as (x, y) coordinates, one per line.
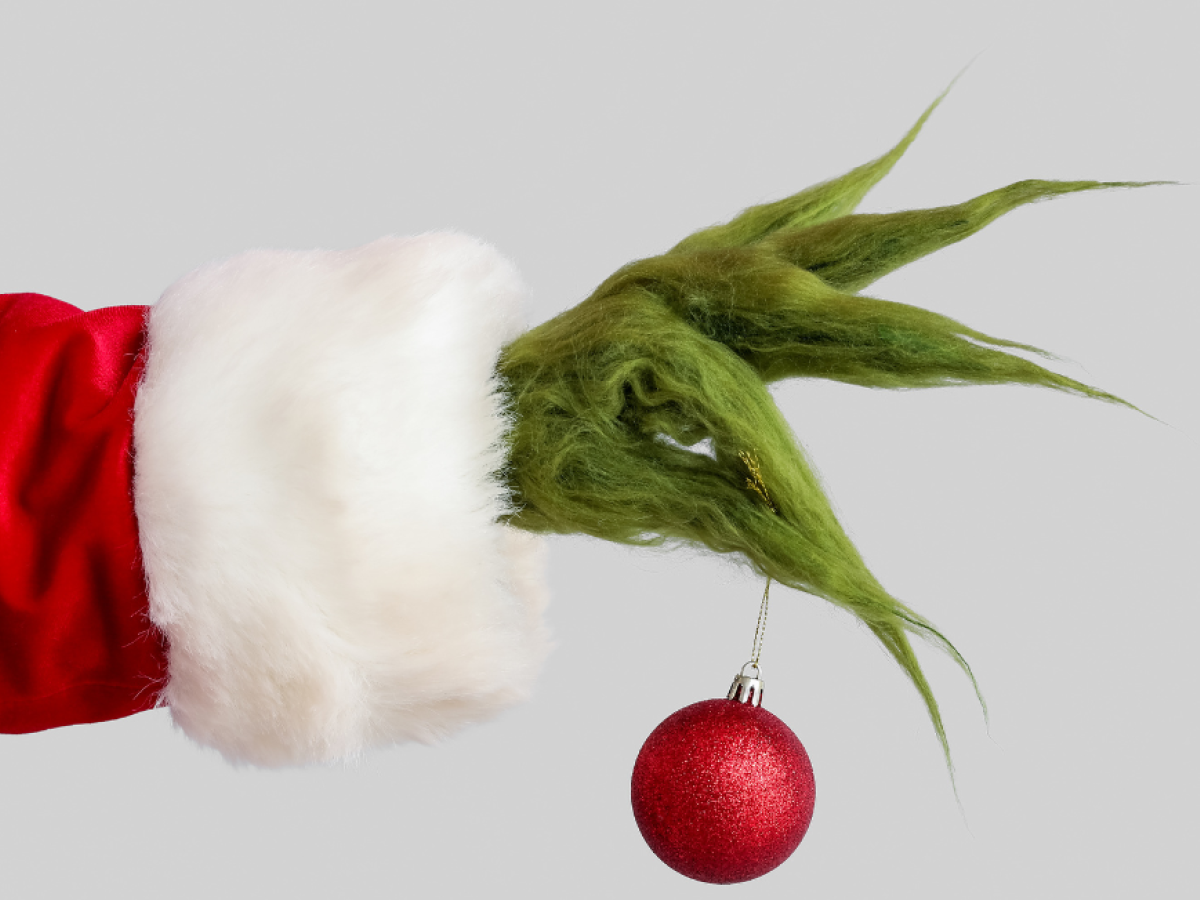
(745, 688)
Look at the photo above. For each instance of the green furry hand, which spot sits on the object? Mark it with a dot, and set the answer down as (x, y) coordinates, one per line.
(677, 349)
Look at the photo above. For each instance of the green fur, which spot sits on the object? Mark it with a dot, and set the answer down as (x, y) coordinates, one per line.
(607, 398)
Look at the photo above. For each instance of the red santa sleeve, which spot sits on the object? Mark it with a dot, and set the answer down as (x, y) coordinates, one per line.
(312, 535)
(76, 644)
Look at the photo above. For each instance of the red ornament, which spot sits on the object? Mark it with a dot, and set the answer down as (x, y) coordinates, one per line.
(723, 791)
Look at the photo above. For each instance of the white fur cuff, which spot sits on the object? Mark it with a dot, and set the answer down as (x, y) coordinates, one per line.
(315, 445)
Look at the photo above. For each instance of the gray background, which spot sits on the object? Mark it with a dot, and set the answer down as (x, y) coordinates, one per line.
(1051, 538)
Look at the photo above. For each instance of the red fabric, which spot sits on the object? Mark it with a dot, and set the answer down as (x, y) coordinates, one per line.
(76, 644)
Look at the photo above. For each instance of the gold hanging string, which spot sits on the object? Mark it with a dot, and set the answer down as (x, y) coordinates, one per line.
(761, 630)
(755, 483)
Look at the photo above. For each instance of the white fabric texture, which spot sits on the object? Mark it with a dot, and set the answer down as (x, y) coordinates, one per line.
(316, 440)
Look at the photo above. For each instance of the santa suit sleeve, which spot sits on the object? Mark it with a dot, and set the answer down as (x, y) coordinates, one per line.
(75, 641)
(280, 514)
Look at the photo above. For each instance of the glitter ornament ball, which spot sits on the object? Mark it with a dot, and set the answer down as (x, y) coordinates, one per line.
(723, 791)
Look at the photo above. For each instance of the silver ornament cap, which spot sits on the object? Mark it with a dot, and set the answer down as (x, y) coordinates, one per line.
(747, 688)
